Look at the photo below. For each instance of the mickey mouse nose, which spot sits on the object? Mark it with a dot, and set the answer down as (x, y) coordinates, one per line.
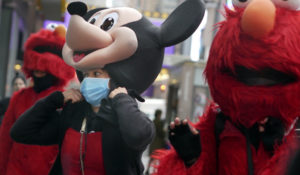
(77, 8)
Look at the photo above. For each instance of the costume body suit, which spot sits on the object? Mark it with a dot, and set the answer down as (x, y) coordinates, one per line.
(253, 75)
(230, 156)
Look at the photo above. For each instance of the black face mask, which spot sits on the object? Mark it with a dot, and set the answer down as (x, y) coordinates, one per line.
(43, 83)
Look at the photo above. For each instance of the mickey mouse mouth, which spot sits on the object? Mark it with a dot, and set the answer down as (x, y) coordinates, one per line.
(79, 55)
(265, 77)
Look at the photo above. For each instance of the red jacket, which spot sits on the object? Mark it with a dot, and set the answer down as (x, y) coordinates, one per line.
(41, 53)
(20, 159)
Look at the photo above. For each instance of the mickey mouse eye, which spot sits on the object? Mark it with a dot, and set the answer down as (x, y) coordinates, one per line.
(289, 4)
(240, 3)
(94, 19)
(51, 26)
(109, 21)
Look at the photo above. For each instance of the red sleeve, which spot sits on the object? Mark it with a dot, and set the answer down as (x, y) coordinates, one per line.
(5, 139)
(168, 162)
(281, 160)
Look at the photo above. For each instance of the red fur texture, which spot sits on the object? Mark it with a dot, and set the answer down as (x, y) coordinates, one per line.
(245, 104)
(232, 156)
(280, 51)
(20, 159)
(171, 164)
(46, 61)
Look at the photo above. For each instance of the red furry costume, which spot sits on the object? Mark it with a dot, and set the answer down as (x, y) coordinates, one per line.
(42, 52)
(251, 76)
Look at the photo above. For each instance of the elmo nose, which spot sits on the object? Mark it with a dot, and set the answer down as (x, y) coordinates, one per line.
(60, 31)
(259, 18)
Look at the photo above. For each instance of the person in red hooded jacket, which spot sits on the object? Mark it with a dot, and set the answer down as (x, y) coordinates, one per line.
(44, 64)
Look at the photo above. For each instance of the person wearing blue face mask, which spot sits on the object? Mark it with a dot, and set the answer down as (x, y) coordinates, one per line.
(95, 86)
(99, 129)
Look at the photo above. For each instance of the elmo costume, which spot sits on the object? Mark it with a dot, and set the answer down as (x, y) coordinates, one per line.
(253, 73)
(42, 53)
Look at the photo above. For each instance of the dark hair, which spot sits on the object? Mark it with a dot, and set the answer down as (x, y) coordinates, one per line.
(157, 112)
(80, 75)
(18, 76)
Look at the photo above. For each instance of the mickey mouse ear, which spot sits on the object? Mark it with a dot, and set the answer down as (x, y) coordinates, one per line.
(77, 8)
(182, 22)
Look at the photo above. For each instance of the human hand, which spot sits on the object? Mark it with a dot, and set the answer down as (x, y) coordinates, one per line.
(272, 132)
(118, 90)
(177, 125)
(72, 95)
(186, 141)
(261, 124)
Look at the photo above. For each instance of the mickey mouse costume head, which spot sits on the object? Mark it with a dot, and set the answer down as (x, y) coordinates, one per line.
(124, 42)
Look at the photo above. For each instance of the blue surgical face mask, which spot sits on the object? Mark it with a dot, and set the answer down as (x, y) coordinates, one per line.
(94, 90)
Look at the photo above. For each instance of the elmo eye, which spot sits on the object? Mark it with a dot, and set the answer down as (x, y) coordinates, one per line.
(289, 4)
(51, 26)
(109, 21)
(240, 3)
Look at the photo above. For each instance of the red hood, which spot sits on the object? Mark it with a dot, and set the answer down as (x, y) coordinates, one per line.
(279, 51)
(43, 52)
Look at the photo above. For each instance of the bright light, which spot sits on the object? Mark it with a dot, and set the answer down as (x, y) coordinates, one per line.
(174, 81)
(229, 4)
(18, 67)
(163, 75)
(163, 87)
(196, 40)
(109, 3)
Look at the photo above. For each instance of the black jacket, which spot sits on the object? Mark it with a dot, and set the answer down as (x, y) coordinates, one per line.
(3, 107)
(126, 131)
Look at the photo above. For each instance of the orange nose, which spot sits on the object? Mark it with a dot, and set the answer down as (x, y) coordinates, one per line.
(60, 30)
(259, 18)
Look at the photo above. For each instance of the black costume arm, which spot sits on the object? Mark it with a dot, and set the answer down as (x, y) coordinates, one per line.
(40, 124)
(136, 128)
(4, 105)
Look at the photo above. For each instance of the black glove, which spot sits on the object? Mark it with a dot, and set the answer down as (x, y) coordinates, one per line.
(273, 133)
(186, 144)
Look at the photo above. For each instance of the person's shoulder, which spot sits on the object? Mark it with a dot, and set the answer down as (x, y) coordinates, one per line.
(23, 93)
